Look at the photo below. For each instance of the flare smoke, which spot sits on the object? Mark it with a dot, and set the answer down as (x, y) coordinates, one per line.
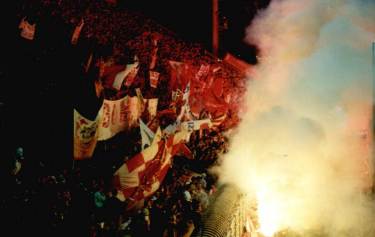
(304, 147)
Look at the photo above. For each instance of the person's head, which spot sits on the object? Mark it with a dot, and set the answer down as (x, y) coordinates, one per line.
(191, 187)
(114, 192)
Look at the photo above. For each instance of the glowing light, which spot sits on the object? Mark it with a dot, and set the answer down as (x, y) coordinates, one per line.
(269, 216)
(267, 226)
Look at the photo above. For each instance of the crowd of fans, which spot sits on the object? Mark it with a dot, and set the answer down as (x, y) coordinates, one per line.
(80, 200)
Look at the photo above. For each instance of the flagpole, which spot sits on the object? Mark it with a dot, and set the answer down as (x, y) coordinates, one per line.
(215, 27)
(372, 132)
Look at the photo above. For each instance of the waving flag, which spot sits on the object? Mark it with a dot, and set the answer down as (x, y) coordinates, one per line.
(152, 107)
(237, 63)
(218, 120)
(142, 175)
(114, 117)
(202, 72)
(131, 75)
(85, 136)
(27, 29)
(110, 73)
(180, 76)
(128, 177)
(120, 76)
(146, 134)
(185, 108)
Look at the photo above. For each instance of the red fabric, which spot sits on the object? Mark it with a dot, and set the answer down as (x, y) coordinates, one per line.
(131, 77)
(110, 73)
(214, 104)
(180, 74)
(183, 149)
(135, 162)
(217, 87)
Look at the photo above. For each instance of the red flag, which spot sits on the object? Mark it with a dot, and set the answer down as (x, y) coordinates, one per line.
(27, 29)
(217, 87)
(153, 58)
(180, 75)
(130, 177)
(109, 74)
(214, 104)
(184, 150)
(216, 121)
(202, 72)
(237, 63)
(142, 175)
(131, 76)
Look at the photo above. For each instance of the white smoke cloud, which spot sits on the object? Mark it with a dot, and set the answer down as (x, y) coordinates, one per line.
(304, 145)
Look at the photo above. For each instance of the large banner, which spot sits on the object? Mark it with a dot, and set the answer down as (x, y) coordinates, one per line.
(135, 110)
(114, 117)
(118, 115)
(85, 136)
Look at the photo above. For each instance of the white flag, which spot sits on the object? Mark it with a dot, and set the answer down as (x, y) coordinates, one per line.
(146, 134)
(119, 79)
(114, 117)
(85, 136)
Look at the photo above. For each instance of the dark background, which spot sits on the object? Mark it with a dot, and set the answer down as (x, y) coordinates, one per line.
(192, 21)
(40, 78)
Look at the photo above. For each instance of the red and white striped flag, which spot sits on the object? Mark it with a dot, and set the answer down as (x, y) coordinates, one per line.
(137, 176)
(142, 175)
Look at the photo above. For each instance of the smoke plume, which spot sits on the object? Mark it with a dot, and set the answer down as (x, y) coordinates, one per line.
(304, 146)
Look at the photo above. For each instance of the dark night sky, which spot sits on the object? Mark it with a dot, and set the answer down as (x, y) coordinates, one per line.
(191, 20)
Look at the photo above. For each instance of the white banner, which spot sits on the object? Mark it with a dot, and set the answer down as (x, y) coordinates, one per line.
(85, 136)
(114, 117)
(152, 107)
(135, 112)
